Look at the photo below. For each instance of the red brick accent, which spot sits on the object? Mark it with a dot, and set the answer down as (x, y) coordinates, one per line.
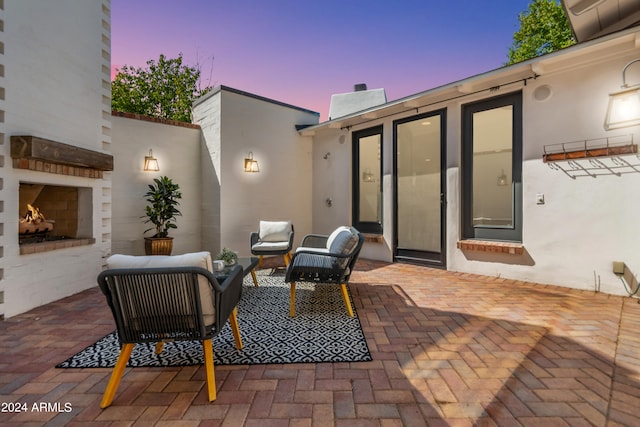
(42, 166)
(34, 248)
(373, 238)
(155, 120)
(493, 247)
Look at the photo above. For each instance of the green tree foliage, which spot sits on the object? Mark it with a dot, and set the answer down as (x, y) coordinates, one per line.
(544, 28)
(165, 89)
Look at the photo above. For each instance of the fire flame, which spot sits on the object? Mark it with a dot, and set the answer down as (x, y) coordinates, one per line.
(33, 215)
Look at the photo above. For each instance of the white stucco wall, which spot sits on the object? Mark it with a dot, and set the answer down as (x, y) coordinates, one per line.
(332, 181)
(178, 152)
(208, 115)
(55, 87)
(282, 188)
(585, 223)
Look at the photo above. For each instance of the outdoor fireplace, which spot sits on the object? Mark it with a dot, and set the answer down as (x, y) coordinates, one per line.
(54, 213)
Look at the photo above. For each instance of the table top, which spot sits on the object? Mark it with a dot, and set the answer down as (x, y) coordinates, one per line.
(247, 263)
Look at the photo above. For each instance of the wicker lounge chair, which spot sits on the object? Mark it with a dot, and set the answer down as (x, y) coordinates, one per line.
(273, 238)
(158, 298)
(325, 259)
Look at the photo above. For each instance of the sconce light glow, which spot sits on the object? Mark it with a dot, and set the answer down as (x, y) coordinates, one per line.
(251, 165)
(502, 179)
(624, 109)
(624, 105)
(151, 163)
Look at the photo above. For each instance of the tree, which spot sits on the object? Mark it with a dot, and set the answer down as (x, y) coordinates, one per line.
(544, 28)
(165, 89)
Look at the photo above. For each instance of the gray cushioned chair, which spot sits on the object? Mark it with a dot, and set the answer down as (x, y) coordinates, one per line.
(325, 259)
(273, 238)
(158, 298)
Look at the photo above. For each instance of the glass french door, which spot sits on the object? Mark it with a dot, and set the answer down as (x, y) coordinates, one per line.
(419, 144)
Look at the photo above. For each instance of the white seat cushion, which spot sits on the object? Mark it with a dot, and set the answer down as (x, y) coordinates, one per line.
(270, 246)
(304, 248)
(194, 259)
(275, 231)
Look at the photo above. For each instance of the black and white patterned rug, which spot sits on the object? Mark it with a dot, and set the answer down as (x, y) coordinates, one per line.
(321, 331)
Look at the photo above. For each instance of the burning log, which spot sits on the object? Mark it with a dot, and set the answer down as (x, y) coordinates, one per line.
(34, 222)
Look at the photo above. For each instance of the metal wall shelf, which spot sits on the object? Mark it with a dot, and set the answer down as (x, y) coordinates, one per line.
(593, 157)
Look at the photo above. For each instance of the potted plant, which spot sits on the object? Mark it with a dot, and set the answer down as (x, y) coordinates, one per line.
(228, 256)
(161, 211)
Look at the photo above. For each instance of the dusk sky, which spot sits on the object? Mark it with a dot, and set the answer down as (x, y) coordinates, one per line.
(301, 52)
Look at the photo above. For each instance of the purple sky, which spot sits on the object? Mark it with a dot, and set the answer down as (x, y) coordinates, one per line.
(303, 51)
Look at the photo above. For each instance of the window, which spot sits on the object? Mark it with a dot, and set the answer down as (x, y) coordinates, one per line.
(492, 169)
(367, 182)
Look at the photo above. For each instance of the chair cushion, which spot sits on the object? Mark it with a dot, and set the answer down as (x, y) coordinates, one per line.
(270, 246)
(335, 232)
(194, 259)
(312, 249)
(275, 231)
(343, 243)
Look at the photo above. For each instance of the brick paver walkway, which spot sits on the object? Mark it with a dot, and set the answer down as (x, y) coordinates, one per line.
(449, 349)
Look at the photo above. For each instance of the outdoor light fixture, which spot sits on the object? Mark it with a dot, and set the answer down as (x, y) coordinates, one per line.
(151, 163)
(368, 176)
(502, 179)
(624, 105)
(251, 165)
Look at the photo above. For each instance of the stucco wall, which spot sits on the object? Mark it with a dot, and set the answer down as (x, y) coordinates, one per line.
(282, 188)
(56, 86)
(178, 152)
(585, 223)
(207, 114)
(332, 181)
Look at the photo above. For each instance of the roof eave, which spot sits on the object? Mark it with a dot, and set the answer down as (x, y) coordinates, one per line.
(502, 76)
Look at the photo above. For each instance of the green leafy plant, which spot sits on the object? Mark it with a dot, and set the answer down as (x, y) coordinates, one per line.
(165, 88)
(161, 211)
(544, 28)
(228, 256)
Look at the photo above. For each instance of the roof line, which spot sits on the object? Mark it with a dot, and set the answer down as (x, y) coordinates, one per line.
(527, 64)
(221, 88)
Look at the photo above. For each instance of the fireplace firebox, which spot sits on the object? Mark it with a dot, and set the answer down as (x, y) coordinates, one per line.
(54, 213)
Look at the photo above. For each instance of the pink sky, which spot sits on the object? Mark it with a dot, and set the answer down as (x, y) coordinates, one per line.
(301, 52)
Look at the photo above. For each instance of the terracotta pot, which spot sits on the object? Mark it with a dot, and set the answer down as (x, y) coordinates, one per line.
(158, 245)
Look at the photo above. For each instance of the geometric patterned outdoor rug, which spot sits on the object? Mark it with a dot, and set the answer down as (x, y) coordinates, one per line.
(321, 331)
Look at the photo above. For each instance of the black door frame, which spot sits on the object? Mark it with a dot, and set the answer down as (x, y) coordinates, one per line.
(430, 258)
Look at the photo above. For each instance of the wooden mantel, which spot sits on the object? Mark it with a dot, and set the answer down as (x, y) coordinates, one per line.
(34, 153)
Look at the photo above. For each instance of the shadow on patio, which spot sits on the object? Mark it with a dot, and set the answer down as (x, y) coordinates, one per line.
(447, 349)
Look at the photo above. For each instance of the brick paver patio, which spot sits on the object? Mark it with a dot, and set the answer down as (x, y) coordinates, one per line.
(449, 349)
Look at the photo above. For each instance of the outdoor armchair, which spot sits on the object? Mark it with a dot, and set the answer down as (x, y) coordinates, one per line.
(272, 238)
(325, 259)
(158, 298)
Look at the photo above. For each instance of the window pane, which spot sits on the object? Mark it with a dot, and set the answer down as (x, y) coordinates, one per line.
(492, 167)
(370, 201)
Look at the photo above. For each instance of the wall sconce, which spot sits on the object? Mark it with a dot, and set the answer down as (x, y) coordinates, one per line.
(251, 165)
(367, 176)
(502, 179)
(624, 105)
(151, 163)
